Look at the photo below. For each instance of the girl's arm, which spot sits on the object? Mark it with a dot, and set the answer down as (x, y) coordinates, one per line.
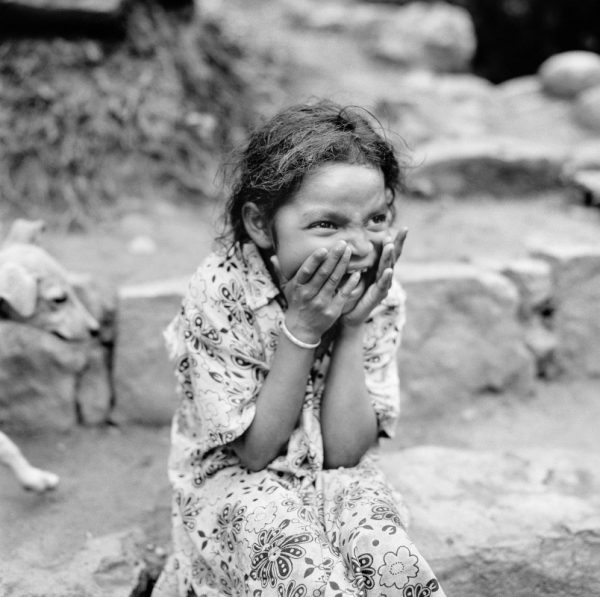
(314, 303)
(348, 420)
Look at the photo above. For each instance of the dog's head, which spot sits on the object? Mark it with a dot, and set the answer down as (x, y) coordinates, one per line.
(35, 289)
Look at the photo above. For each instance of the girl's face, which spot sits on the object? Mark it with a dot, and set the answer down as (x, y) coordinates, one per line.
(337, 202)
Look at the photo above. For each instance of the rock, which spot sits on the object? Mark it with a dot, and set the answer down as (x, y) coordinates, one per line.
(543, 345)
(425, 106)
(110, 565)
(436, 36)
(569, 73)
(142, 245)
(586, 156)
(533, 279)
(525, 111)
(336, 16)
(39, 379)
(496, 166)
(587, 108)
(517, 523)
(143, 376)
(462, 336)
(576, 318)
(586, 185)
(94, 392)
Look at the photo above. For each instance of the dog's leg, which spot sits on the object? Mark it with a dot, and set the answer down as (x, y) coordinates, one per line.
(31, 478)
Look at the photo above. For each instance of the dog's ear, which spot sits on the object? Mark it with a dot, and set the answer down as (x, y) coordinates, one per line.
(18, 288)
(25, 231)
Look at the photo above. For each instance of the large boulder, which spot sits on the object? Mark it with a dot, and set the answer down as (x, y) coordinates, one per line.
(587, 108)
(569, 73)
(143, 376)
(110, 565)
(517, 523)
(462, 336)
(526, 111)
(576, 299)
(586, 156)
(494, 165)
(432, 35)
(424, 106)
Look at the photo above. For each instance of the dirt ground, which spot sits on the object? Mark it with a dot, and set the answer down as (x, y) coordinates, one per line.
(116, 478)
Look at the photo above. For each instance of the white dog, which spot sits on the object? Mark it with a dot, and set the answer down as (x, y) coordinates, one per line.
(35, 290)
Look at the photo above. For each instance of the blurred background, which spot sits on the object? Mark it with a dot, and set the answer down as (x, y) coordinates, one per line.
(116, 118)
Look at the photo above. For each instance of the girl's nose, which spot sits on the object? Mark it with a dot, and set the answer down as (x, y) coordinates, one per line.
(359, 243)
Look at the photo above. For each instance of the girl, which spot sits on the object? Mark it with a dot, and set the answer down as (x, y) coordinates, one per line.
(285, 351)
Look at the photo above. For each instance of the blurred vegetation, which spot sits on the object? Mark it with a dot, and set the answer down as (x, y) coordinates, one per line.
(85, 122)
(515, 36)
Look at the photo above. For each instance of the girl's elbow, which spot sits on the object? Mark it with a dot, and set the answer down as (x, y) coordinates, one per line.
(254, 465)
(342, 460)
(253, 460)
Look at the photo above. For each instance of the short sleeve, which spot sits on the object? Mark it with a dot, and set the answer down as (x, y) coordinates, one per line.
(219, 361)
(382, 341)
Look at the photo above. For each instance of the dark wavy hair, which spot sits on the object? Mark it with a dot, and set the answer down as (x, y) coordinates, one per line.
(281, 152)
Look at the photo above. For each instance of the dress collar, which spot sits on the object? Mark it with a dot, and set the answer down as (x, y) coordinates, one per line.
(261, 287)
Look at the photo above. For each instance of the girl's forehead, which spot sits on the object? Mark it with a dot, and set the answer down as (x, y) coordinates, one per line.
(341, 184)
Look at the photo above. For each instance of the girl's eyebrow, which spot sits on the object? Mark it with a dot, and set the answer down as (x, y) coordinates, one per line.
(322, 214)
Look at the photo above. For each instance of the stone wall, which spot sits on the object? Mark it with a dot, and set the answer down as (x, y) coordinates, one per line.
(471, 328)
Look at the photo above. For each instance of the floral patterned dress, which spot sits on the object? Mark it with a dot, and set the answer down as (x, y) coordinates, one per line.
(292, 529)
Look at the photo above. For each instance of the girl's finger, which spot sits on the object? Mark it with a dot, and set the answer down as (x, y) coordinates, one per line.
(334, 265)
(277, 270)
(386, 259)
(311, 265)
(385, 281)
(399, 243)
(333, 281)
(345, 290)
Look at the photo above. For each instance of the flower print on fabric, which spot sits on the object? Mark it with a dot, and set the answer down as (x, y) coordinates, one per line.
(261, 518)
(384, 510)
(229, 525)
(274, 552)
(234, 303)
(202, 572)
(420, 590)
(231, 584)
(292, 590)
(346, 501)
(189, 507)
(363, 571)
(398, 568)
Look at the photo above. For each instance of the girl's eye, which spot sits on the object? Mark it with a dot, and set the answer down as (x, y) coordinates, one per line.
(323, 224)
(379, 218)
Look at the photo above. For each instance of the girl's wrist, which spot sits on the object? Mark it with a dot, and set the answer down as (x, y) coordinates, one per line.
(303, 336)
(350, 330)
(296, 340)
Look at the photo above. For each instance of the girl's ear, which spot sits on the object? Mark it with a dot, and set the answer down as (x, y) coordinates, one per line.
(256, 226)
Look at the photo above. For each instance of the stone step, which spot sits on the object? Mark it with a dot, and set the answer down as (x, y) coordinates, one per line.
(524, 522)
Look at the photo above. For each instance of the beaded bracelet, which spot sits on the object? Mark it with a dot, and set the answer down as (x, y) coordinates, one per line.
(295, 340)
